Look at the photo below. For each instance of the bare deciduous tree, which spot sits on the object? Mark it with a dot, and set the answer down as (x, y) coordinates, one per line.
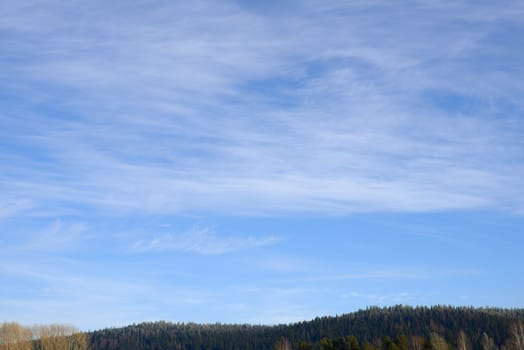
(517, 335)
(61, 337)
(283, 344)
(417, 342)
(488, 343)
(462, 341)
(14, 336)
(438, 342)
(516, 340)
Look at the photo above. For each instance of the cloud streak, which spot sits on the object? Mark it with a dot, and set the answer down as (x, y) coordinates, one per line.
(59, 237)
(202, 241)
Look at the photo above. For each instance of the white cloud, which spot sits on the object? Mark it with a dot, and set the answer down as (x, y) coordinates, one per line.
(327, 108)
(203, 241)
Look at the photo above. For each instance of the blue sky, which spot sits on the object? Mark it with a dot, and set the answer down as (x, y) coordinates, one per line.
(261, 162)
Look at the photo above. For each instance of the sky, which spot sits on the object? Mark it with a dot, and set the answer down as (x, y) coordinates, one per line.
(258, 162)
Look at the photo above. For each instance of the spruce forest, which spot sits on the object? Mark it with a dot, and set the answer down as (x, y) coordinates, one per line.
(392, 328)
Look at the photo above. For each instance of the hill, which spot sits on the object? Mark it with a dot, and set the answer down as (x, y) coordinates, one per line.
(391, 328)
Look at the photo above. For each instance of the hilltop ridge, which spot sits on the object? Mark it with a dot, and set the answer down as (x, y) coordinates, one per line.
(371, 328)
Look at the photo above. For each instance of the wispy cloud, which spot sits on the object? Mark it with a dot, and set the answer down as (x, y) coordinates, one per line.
(392, 274)
(13, 207)
(59, 236)
(203, 241)
(328, 109)
(380, 299)
(54, 290)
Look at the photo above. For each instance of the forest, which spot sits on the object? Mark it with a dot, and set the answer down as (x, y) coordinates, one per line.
(391, 328)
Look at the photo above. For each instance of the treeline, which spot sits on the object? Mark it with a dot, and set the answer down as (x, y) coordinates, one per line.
(14, 336)
(392, 328)
(401, 342)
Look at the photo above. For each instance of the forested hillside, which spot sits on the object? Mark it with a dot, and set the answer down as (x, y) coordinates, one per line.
(393, 328)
